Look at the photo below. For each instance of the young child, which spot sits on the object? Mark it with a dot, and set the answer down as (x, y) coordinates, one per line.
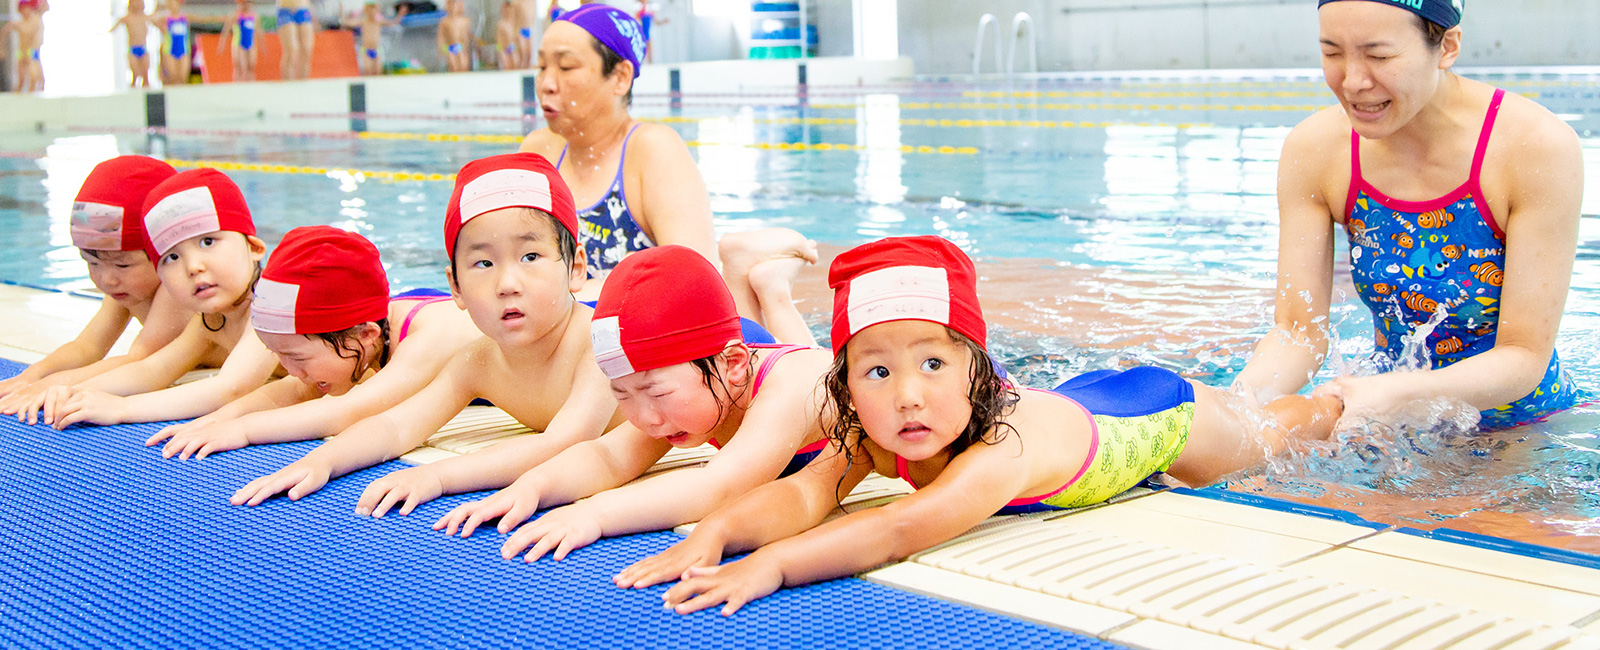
(323, 307)
(30, 38)
(667, 335)
(918, 400)
(506, 38)
(455, 37)
(511, 234)
(370, 31)
(527, 15)
(138, 26)
(175, 61)
(209, 259)
(108, 229)
(241, 26)
(297, 37)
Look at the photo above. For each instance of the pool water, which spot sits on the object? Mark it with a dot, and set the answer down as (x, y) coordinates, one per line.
(1114, 222)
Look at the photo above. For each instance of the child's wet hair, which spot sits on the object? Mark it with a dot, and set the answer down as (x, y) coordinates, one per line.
(708, 371)
(566, 245)
(347, 344)
(991, 396)
(255, 279)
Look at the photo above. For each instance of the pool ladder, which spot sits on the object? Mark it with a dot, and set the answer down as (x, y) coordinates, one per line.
(1006, 65)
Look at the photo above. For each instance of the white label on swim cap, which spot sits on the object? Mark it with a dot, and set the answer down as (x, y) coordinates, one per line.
(505, 188)
(272, 310)
(181, 216)
(605, 334)
(899, 293)
(96, 226)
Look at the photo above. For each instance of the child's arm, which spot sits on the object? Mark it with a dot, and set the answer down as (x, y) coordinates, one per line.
(780, 509)
(970, 489)
(119, 22)
(584, 469)
(227, 30)
(213, 433)
(585, 415)
(248, 366)
(376, 439)
(773, 428)
(415, 364)
(90, 345)
(160, 369)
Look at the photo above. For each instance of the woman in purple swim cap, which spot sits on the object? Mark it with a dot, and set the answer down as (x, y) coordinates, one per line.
(1461, 204)
(638, 181)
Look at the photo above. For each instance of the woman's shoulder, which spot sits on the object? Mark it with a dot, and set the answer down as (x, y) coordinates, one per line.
(1323, 130)
(1539, 133)
(650, 139)
(543, 142)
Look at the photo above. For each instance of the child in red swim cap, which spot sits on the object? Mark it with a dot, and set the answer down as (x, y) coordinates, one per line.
(323, 308)
(511, 234)
(918, 399)
(667, 335)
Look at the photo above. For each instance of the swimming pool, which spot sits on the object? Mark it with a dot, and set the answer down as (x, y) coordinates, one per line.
(1115, 221)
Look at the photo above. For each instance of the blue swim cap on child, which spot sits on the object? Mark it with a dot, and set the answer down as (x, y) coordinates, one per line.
(613, 27)
(1444, 13)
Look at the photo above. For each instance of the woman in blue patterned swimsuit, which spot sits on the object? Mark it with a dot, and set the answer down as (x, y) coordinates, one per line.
(640, 184)
(1461, 205)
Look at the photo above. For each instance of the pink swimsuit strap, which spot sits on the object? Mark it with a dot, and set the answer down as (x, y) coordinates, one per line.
(405, 324)
(767, 363)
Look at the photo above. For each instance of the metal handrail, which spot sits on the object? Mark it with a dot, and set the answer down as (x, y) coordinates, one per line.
(987, 20)
(1017, 22)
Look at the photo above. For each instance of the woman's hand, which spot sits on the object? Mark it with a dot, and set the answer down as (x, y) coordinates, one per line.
(735, 584)
(415, 485)
(697, 550)
(512, 505)
(91, 406)
(300, 478)
(562, 530)
(1386, 397)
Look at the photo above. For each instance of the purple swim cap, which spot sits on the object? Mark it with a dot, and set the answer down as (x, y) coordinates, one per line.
(1444, 13)
(613, 27)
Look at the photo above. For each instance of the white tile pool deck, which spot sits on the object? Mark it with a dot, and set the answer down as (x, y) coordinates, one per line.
(1162, 571)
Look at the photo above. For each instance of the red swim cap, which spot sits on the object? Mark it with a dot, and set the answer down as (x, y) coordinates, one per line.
(513, 180)
(194, 203)
(905, 278)
(320, 279)
(108, 213)
(659, 307)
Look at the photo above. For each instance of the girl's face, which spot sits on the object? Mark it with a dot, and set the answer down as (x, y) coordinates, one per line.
(313, 361)
(1379, 65)
(509, 276)
(211, 272)
(910, 384)
(127, 277)
(570, 83)
(673, 403)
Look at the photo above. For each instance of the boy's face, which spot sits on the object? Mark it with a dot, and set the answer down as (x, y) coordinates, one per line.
(910, 384)
(211, 272)
(509, 276)
(135, 7)
(312, 360)
(127, 277)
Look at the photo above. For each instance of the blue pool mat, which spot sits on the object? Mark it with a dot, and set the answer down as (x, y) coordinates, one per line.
(103, 543)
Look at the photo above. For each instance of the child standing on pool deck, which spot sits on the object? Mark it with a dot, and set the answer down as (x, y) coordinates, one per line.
(511, 233)
(138, 26)
(175, 61)
(506, 39)
(323, 307)
(918, 400)
(241, 26)
(370, 31)
(667, 335)
(30, 39)
(108, 229)
(455, 37)
(209, 259)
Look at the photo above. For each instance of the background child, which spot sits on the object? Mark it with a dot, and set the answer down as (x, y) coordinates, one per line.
(297, 36)
(175, 61)
(241, 26)
(108, 229)
(370, 31)
(511, 233)
(918, 399)
(668, 336)
(29, 29)
(323, 307)
(138, 26)
(455, 37)
(209, 260)
(506, 38)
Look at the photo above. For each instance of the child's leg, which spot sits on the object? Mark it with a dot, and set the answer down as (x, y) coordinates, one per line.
(1228, 436)
(289, 62)
(308, 41)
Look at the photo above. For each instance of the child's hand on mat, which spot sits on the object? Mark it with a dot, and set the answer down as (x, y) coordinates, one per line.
(513, 505)
(91, 406)
(697, 550)
(10, 386)
(25, 402)
(416, 485)
(300, 478)
(202, 441)
(173, 430)
(735, 584)
(562, 530)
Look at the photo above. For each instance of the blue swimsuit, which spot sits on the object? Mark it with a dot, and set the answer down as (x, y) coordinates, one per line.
(607, 227)
(1410, 259)
(178, 37)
